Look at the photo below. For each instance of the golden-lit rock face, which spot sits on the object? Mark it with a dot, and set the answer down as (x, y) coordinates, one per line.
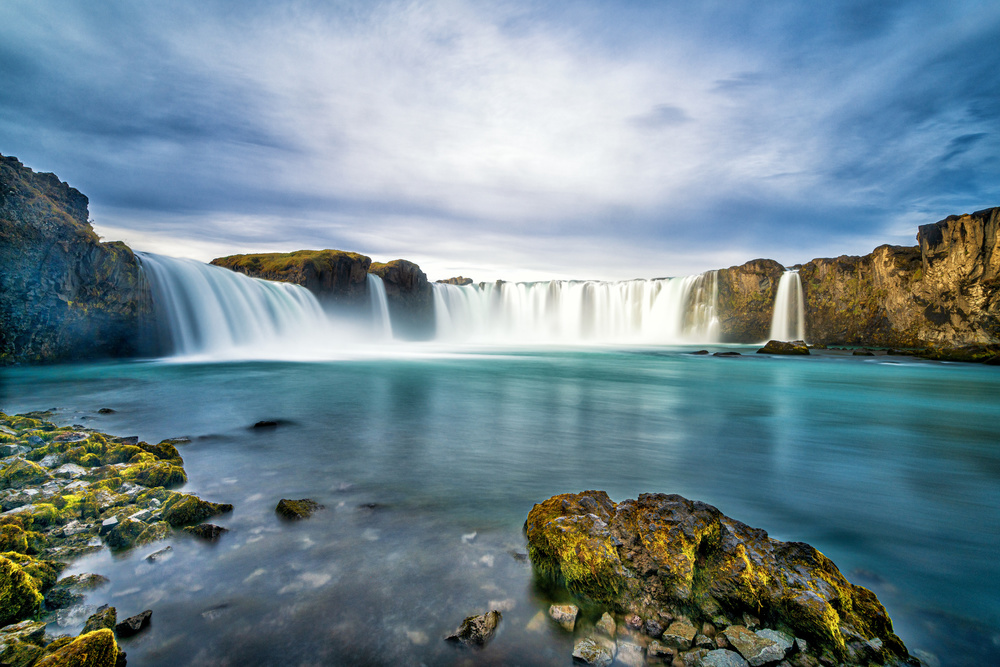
(666, 555)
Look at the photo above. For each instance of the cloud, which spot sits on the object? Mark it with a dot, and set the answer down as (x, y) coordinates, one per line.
(671, 133)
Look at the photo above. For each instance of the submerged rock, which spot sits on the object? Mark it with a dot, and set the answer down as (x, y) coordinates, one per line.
(294, 510)
(565, 615)
(784, 347)
(596, 651)
(134, 624)
(672, 555)
(207, 531)
(477, 630)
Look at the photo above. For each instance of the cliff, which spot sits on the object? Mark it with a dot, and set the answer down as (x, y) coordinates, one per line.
(63, 294)
(410, 297)
(746, 300)
(333, 276)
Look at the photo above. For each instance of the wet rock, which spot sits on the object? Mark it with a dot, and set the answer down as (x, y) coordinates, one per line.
(652, 628)
(106, 411)
(181, 510)
(162, 554)
(477, 630)
(699, 352)
(565, 615)
(607, 625)
(669, 553)
(134, 624)
(863, 353)
(660, 653)
(94, 649)
(20, 473)
(294, 510)
(722, 658)
(727, 354)
(755, 648)
(17, 653)
(265, 424)
(784, 347)
(124, 534)
(105, 618)
(630, 654)
(596, 651)
(207, 531)
(680, 634)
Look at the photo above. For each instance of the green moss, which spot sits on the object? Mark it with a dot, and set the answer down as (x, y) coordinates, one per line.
(157, 473)
(183, 510)
(19, 596)
(94, 649)
(16, 653)
(153, 533)
(126, 454)
(105, 618)
(275, 264)
(22, 473)
(43, 573)
(13, 538)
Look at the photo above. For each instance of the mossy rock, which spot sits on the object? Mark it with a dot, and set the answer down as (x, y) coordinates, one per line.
(125, 535)
(158, 473)
(16, 653)
(127, 454)
(164, 451)
(22, 473)
(685, 558)
(106, 618)
(94, 649)
(19, 596)
(183, 510)
(153, 533)
(294, 510)
(13, 538)
(44, 573)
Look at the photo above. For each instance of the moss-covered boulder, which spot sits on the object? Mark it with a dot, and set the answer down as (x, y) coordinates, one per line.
(294, 510)
(664, 554)
(183, 510)
(784, 347)
(94, 649)
(104, 618)
(19, 596)
(155, 473)
(20, 472)
(43, 573)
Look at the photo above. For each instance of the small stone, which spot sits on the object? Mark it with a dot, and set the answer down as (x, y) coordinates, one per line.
(630, 654)
(477, 630)
(565, 615)
(680, 634)
(653, 628)
(658, 652)
(295, 510)
(704, 641)
(607, 625)
(755, 649)
(108, 525)
(722, 658)
(162, 554)
(594, 651)
(207, 531)
(134, 624)
(784, 641)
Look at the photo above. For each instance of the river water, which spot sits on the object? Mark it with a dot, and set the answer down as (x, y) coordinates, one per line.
(429, 460)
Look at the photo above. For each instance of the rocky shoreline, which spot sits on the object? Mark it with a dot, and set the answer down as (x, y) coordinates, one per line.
(68, 491)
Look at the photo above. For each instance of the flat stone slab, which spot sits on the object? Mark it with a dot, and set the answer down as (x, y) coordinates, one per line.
(722, 658)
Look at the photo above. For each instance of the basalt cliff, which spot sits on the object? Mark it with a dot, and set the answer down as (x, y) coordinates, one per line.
(63, 294)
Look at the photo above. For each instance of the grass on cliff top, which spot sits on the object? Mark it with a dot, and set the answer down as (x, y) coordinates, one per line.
(277, 263)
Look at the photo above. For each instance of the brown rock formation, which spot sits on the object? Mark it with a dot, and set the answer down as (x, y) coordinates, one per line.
(746, 300)
(411, 300)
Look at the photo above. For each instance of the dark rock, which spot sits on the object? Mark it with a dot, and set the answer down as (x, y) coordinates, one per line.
(265, 424)
(134, 624)
(784, 347)
(106, 411)
(699, 352)
(294, 510)
(207, 531)
(652, 628)
(162, 554)
(702, 562)
(460, 281)
(722, 658)
(94, 649)
(64, 295)
(727, 354)
(477, 630)
(372, 506)
(863, 353)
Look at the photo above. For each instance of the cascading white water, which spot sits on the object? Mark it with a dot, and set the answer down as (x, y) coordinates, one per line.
(789, 319)
(380, 307)
(216, 312)
(664, 311)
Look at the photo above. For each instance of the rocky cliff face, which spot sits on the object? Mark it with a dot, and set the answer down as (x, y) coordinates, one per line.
(746, 300)
(333, 276)
(410, 297)
(946, 291)
(63, 294)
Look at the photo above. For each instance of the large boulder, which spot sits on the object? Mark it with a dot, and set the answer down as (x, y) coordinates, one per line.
(410, 298)
(746, 300)
(668, 556)
(63, 294)
(19, 596)
(94, 649)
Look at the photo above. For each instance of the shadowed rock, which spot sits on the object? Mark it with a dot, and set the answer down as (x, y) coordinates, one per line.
(476, 630)
(295, 510)
(784, 347)
(134, 624)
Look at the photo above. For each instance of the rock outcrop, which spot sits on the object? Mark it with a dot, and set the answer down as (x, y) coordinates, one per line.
(63, 294)
(410, 297)
(685, 565)
(746, 300)
(334, 276)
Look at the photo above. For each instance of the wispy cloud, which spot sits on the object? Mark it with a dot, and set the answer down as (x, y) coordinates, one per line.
(679, 137)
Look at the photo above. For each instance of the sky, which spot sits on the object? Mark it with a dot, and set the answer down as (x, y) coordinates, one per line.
(510, 139)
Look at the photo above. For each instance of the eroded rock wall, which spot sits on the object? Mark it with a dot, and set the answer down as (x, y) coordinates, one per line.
(410, 297)
(746, 300)
(63, 294)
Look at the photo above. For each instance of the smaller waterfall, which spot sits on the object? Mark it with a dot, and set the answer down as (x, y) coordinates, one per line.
(380, 307)
(789, 319)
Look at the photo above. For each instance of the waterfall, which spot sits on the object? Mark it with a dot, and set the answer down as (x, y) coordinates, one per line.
(380, 307)
(789, 319)
(662, 311)
(211, 311)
